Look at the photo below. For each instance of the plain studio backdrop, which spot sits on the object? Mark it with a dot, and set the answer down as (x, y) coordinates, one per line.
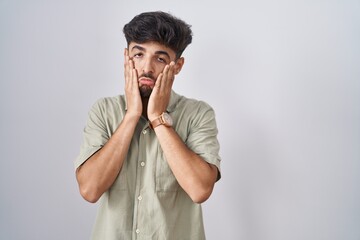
(282, 76)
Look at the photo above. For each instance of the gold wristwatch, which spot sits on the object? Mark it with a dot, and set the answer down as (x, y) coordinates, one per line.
(163, 119)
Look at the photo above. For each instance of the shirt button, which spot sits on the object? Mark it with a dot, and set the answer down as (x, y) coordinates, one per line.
(144, 131)
(139, 198)
(137, 231)
(142, 164)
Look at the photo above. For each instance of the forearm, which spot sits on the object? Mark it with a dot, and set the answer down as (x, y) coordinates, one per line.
(194, 174)
(99, 172)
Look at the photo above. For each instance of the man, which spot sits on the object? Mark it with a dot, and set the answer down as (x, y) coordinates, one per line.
(151, 154)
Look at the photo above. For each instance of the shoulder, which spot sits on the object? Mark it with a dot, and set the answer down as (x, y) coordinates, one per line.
(192, 104)
(107, 111)
(196, 108)
(109, 103)
(108, 108)
(193, 112)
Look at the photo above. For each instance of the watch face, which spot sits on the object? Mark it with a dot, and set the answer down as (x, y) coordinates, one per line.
(167, 119)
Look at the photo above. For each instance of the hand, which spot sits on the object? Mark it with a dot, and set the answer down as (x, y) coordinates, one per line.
(160, 96)
(132, 93)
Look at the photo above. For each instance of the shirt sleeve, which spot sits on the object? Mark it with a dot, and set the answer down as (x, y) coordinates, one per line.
(95, 134)
(202, 138)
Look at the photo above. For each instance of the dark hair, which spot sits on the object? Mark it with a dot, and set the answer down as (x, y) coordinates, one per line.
(159, 27)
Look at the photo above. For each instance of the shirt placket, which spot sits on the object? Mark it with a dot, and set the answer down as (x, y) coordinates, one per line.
(141, 164)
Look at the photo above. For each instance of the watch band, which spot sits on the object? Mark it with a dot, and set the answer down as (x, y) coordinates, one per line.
(157, 122)
(164, 119)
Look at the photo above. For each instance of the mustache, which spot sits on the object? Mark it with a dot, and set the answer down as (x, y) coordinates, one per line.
(148, 75)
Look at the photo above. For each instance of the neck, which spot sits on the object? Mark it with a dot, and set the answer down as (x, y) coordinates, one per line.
(144, 109)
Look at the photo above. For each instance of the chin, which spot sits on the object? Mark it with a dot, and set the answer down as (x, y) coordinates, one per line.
(145, 91)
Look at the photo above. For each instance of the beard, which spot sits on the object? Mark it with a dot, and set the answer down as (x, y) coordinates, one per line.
(145, 91)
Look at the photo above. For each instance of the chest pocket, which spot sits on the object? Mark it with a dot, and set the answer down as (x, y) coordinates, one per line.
(165, 179)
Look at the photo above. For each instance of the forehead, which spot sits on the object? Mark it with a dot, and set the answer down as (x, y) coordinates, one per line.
(152, 48)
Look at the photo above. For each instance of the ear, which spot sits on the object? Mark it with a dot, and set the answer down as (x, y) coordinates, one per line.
(179, 64)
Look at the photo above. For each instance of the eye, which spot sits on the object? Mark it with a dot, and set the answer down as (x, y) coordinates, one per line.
(138, 55)
(162, 60)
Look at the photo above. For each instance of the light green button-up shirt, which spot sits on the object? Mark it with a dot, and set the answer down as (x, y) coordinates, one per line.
(146, 201)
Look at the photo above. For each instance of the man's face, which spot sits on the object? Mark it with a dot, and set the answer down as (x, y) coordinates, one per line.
(150, 59)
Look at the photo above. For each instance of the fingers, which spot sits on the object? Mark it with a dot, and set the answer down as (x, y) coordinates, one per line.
(132, 93)
(166, 78)
(160, 96)
(126, 64)
(130, 73)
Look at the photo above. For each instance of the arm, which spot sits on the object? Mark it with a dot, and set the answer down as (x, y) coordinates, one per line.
(99, 172)
(196, 176)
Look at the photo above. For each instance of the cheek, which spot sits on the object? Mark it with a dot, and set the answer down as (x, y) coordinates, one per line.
(136, 63)
(137, 66)
(159, 68)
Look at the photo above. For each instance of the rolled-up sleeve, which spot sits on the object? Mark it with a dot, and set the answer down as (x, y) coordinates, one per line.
(202, 138)
(95, 134)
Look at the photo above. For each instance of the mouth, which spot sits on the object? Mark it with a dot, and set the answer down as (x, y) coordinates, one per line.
(146, 82)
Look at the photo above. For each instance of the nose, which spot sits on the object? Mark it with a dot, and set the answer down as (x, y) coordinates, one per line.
(148, 66)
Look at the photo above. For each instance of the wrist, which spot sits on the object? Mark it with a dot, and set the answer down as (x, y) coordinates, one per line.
(132, 116)
(163, 119)
(152, 117)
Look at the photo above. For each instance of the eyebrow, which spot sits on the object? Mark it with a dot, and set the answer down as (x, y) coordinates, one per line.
(160, 52)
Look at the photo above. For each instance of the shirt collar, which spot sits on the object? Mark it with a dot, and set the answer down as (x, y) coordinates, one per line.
(174, 98)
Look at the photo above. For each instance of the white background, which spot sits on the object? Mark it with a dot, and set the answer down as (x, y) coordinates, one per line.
(282, 76)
